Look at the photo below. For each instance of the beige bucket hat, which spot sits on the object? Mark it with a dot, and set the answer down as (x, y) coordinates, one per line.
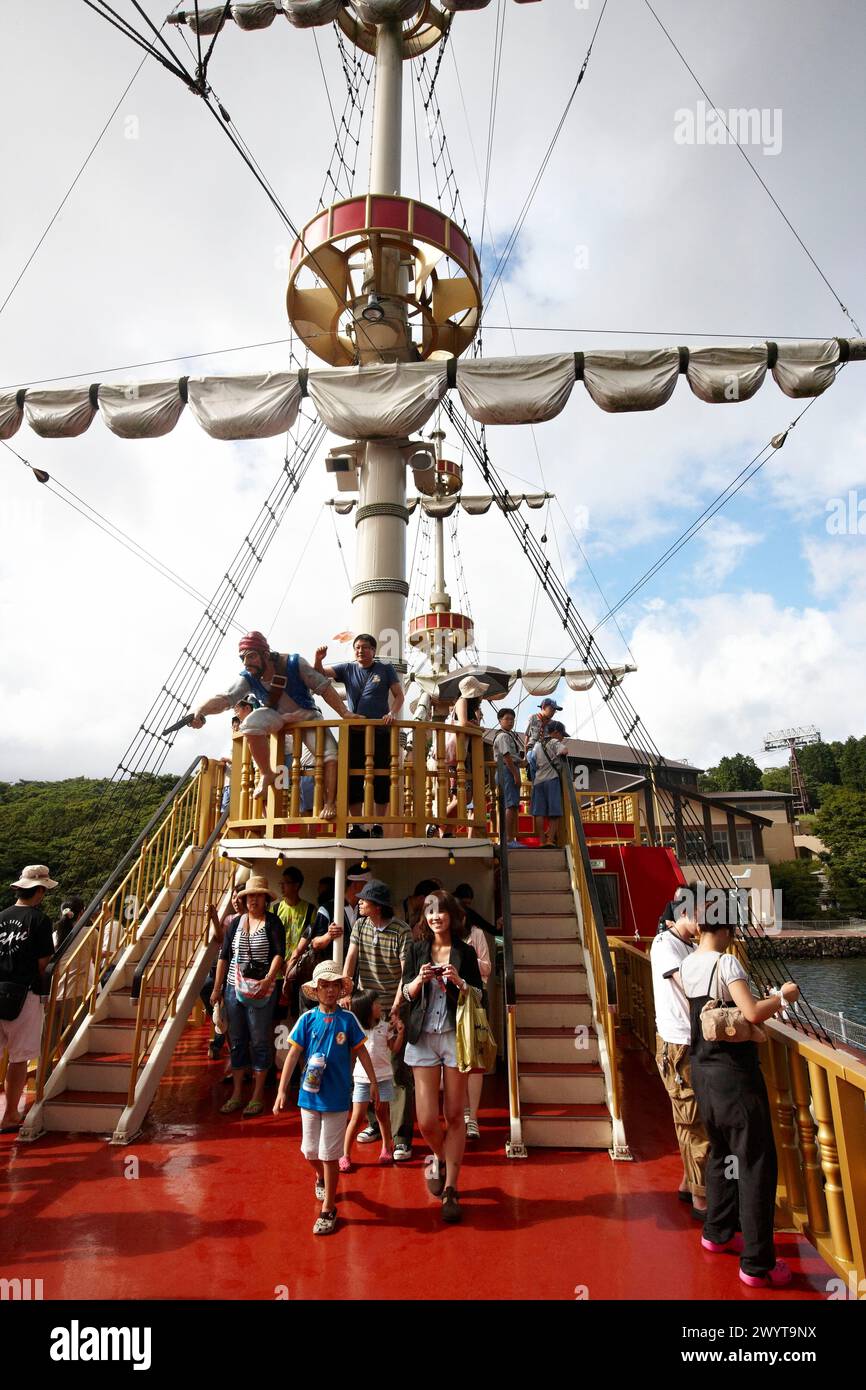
(256, 883)
(35, 876)
(324, 971)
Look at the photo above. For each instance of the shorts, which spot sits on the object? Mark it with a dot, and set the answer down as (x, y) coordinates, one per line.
(270, 721)
(433, 1050)
(505, 780)
(381, 763)
(361, 1092)
(23, 1035)
(323, 1132)
(547, 798)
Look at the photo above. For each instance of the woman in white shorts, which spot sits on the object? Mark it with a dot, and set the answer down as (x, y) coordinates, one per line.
(438, 968)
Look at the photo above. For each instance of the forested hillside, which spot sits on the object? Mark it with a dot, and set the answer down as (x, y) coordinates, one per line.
(71, 828)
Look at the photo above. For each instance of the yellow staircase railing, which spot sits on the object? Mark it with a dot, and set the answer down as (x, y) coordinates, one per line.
(818, 1105)
(111, 924)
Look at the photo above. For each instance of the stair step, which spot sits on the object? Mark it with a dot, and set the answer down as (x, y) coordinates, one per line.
(551, 1046)
(560, 980)
(566, 1126)
(547, 950)
(542, 881)
(553, 1010)
(100, 1073)
(564, 1083)
(562, 925)
(111, 1035)
(537, 903)
(528, 860)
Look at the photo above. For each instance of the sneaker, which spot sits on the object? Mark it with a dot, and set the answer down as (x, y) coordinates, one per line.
(450, 1206)
(432, 832)
(472, 1130)
(356, 832)
(377, 833)
(386, 1158)
(778, 1277)
(402, 1151)
(320, 1191)
(326, 1224)
(434, 1177)
(345, 1166)
(370, 1135)
(514, 844)
(734, 1245)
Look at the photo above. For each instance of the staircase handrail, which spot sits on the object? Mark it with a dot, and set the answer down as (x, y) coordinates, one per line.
(164, 927)
(118, 871)
(515, 1147)
(603, 982)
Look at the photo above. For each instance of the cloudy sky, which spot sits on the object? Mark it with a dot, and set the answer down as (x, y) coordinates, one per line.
(167, 248)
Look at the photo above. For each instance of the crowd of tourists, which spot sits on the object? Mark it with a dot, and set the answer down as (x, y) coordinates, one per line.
(371, 1041)
(707, 1038)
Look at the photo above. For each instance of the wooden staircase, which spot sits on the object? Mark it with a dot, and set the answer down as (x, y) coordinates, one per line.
(561, 1081)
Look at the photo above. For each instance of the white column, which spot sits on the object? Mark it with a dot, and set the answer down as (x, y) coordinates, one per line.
(387, 110)
(340, 945)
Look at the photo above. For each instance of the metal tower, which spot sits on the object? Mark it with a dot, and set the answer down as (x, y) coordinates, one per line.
(792, 739)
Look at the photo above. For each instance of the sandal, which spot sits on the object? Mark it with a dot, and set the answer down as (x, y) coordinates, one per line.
(778, 1277)
(734, 1245)
(434, 1177)
(255, 1107)
(345, 1166)
(231, 1106)
(320, 1191)
(326, 1224)
(450, 1206)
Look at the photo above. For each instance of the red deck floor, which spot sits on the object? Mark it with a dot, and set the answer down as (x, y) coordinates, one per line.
(223, 1208)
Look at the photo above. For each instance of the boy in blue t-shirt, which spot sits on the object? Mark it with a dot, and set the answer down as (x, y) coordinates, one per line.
(329, 1039)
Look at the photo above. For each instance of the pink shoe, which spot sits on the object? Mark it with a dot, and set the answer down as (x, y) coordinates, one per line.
(778, 1277)
(386, 1158)
(345, 1164)
(734, 1245)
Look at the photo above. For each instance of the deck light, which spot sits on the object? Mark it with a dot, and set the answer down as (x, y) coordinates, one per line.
(373, 311)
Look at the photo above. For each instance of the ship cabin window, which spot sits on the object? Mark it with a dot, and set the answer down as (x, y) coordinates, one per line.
(608, 896)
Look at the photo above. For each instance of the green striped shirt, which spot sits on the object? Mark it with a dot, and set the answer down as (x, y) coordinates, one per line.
(381, 952)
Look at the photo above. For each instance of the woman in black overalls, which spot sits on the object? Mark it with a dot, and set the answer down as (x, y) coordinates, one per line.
(733, 1104)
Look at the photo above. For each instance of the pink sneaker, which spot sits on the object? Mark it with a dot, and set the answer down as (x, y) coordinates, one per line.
(734, 1245)
(778, 1277)
(386, 1158)
(345, 1164)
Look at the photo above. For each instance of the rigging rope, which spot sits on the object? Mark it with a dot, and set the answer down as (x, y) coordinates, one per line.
(491, 119)
(629, 723)
(789, 224)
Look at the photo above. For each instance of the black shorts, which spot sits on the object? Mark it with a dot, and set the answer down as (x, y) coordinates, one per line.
(381, 762)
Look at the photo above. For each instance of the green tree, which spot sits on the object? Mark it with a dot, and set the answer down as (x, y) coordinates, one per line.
(848, 881)
(819, 767)
(776, 779)
(708, 781)
(739, 773)
(841, 821)
(800, 887)
(852, 764)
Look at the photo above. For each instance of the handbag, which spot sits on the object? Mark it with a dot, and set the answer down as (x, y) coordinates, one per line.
(12, 999)
(250, 975)
(476, 1045)
(725, 1023)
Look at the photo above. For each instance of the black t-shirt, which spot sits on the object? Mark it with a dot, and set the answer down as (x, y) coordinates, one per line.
(25, 937)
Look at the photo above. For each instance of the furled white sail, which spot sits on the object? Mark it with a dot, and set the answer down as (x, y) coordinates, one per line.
(393, 400)
(245, 407)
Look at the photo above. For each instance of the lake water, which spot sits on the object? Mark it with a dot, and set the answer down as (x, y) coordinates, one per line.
(834, 984)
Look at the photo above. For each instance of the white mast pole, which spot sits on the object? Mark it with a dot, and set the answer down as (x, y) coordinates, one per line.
(379, 596)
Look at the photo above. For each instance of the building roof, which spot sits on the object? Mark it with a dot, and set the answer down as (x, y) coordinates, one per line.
(590, 751)
(755, 796)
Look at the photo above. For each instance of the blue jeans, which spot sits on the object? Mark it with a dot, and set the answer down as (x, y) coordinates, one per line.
(251, 1029)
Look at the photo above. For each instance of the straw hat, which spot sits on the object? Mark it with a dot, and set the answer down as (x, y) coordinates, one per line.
(256, 883)
(35, 876)
(472, 688)
(326, 970)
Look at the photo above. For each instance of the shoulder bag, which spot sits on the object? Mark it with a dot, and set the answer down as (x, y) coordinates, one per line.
(725, 1023)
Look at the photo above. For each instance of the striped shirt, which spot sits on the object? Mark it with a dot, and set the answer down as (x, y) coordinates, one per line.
(381, 952)
(254, 945)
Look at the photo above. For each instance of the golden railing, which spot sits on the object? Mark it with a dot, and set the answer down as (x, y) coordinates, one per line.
(77, 975)
(617, 810)
(818, 1104)
(162, 972)
(423, 788)
(594, 937)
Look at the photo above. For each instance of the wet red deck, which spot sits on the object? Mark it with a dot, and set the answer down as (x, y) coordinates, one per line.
(222, 1208)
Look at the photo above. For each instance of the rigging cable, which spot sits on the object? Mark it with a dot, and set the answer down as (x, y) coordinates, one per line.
(511, 242)
(63, 200)
(111, 529)
(766, 189)
(491, 119)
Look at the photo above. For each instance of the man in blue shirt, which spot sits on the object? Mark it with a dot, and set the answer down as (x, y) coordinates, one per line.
(373, 691)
